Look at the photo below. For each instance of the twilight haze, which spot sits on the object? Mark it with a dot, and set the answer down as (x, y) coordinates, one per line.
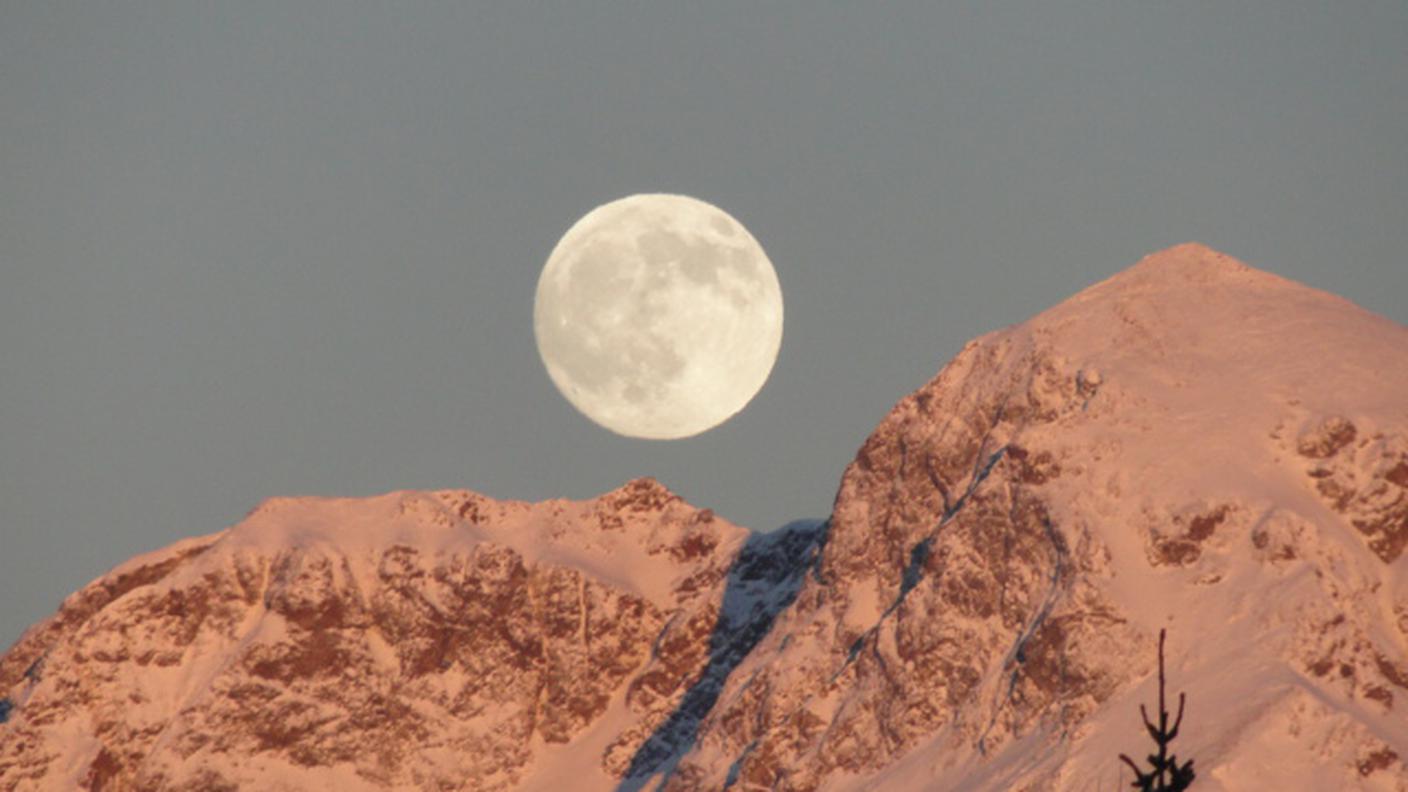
(263, 249)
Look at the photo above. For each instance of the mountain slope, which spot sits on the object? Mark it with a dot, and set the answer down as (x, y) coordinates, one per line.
(413, 640)
(1193, 444)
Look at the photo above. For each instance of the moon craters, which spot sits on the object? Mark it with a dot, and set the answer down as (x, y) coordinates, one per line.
(658, 316)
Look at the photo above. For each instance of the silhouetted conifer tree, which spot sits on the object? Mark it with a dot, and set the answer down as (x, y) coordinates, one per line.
(1165, 775)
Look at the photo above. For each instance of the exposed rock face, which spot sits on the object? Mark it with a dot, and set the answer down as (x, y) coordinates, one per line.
(1364, 478)
(1192, 445)
(762, 582)
(417, 640)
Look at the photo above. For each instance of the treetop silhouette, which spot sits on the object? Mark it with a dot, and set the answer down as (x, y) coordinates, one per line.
(1165, 775)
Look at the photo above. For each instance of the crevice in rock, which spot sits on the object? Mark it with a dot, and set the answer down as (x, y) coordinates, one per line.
(737, 766)
(1016, 655)
(765, 578)
(919, 553)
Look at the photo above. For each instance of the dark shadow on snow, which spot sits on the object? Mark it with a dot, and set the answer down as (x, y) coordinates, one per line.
(763, 580)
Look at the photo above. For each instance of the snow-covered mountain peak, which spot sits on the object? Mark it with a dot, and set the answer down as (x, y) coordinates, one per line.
(1189, 265)
(1198, 332)
(641, 494)
(1191, 445)
(1195, 261)
(634, 536)
(407, 640)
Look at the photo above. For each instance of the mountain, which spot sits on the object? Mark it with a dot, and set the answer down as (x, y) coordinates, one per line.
(1192, 445)
(439, 640)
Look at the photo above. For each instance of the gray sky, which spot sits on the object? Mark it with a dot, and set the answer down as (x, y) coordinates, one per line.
(264, 248)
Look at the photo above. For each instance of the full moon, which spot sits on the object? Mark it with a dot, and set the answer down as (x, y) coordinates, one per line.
(658, 316)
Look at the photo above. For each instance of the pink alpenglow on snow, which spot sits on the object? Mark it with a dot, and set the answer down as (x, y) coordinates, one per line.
(416, 640)
(1193, 445)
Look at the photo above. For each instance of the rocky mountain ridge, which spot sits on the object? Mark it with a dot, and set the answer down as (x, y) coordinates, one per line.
(414, 640)
(1193, 445)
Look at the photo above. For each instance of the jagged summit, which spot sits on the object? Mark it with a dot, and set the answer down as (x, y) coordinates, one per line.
(443, 515)
(405, 640)
(643, 492)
